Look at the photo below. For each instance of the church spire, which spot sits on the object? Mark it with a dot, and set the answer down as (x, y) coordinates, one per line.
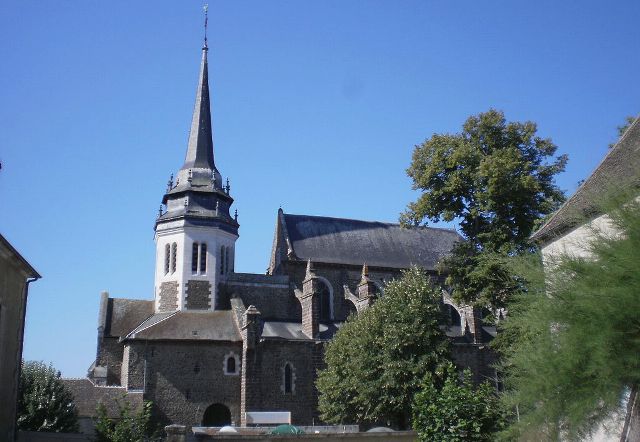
(200, 146)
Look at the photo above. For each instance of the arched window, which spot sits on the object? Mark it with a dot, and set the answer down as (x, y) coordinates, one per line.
(231, 364)
(194, 258)
(227, 253)
(174, 256)
(203, 258)
(288, 378)
(167, 258)
(325, 303)
(222, 255)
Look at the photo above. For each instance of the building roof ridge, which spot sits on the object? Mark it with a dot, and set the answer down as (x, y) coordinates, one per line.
(451, 229)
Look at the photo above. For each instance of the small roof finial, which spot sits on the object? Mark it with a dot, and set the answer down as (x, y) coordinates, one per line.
(310, 271)
(365, 273)
(206, 22)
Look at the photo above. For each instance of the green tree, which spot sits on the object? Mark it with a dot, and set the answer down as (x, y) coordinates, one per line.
(128, 427)
(497, 179)
(44, 403)
(376, 361)
(452, 409)
(571, 343)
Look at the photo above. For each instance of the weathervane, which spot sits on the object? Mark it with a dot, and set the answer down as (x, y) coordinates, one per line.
(206, 21)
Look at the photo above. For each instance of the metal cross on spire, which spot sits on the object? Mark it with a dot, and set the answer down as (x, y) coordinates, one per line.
(206, 22)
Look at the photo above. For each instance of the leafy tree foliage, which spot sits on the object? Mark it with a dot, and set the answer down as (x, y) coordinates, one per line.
(571, 345)
(376, 361)
(128, 427)
(497, 179)
(480, 277)
(44, 403)
(451, 409)
(493, 176)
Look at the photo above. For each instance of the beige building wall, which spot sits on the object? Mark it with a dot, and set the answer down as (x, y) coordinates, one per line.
(14, 273)
(576, 242)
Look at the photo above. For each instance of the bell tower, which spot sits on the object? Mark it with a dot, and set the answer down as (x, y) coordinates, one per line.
(195, 233)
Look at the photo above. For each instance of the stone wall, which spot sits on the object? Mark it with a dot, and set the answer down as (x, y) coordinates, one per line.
(198, 295)
(271, 295)
(168, 296)
(305, 357)
(38, 436)
(184, 378)
(110, 356)
(337, 276)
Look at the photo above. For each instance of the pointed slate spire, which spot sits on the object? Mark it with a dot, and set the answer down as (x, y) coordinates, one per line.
(200, 146)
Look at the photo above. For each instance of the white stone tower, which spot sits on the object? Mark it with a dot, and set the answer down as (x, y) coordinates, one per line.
(195, 233)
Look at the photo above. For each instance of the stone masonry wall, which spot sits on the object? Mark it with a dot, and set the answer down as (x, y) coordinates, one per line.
(337, 275)
(184, 378)
(305, 358)
(168, 296)
(198, 295)
(271, 295)
(111, 352)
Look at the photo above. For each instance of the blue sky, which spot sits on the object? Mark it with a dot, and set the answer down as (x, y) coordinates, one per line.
(316, 108)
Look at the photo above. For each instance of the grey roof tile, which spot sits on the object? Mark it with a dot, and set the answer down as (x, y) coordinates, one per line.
(348, 241)
(87, 396)
(194, 326)
(123, 315)
(293, 330)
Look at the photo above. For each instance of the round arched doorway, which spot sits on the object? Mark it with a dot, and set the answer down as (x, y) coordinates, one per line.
(216, 415)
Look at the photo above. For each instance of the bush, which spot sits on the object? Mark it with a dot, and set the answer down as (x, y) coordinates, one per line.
(44, 403)
(453, 409)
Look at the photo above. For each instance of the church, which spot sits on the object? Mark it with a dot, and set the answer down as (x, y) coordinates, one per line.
(215, 346)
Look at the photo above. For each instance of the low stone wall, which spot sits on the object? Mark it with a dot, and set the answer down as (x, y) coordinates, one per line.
(37, 436)
(179, 433)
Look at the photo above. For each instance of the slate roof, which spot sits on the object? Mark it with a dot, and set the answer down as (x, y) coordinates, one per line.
(355, 242)
(619, 169)
(123, 315)
(293, 330)
(189, 325)
(87, 396)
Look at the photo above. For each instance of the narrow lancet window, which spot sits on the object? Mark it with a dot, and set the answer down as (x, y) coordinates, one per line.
(227, 260)
(203, 258)
(174, 257)
(167, 258)
(194, 258)
(288, 378)
(231, 364)
(222, 260)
